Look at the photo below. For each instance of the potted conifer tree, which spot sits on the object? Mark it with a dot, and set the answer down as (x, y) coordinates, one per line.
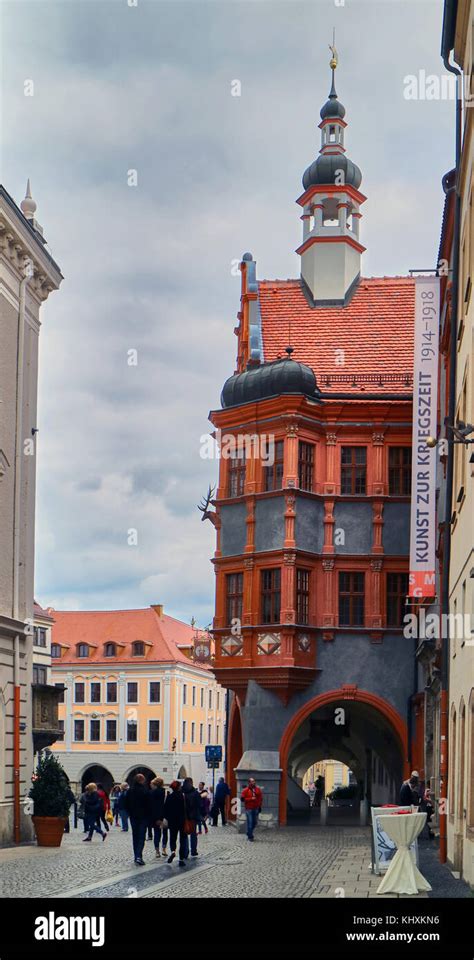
(51, 797)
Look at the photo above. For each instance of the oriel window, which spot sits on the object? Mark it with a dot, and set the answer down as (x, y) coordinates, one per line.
(236, 481)
(270, 595)
(397, 590)
(305, 465)
(234, 596)
(273, 473)
(302, 596)
(351, 599)
(354, 470)
(399, 471)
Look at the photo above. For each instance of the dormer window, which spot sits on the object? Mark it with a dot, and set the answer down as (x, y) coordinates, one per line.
(55, 650)
(83, 650)
(110, 650)
(138, 649)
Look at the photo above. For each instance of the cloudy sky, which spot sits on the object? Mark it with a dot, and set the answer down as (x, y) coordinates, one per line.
(149, 267)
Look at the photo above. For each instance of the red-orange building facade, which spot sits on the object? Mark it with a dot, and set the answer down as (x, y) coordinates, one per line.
(312, 549)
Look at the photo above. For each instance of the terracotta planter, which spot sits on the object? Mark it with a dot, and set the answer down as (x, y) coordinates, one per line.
(49, 830)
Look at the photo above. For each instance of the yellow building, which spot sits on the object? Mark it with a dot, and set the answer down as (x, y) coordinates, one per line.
(136, 699)
(335, 774)
(458, 35)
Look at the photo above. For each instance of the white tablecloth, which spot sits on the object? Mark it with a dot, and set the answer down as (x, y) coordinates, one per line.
(403, 875)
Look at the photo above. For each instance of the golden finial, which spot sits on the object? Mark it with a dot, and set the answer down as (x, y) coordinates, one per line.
(334, 59)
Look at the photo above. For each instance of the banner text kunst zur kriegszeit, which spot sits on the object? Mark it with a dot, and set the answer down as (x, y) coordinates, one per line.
(425, 402)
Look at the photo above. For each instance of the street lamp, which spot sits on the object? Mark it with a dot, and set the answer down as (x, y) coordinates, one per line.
(460, 432)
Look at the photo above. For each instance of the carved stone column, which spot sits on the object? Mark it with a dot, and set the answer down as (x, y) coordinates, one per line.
(328, 545)
(247, 613)
(250, 521)
(375, 614)
(329, 613)
(378, 450)
(331, 481)
(288, 589)
(290, 466)
(290, 502)
(377, 526)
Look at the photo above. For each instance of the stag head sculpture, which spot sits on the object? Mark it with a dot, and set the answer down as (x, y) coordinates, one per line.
(203, 506)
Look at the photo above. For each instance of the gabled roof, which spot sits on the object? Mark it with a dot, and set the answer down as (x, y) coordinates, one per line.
(365, 346)
(160, 634)
(40, 613)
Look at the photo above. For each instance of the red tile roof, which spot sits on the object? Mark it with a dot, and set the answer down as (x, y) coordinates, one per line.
(39, 611)
(98, 627)
(375, 331)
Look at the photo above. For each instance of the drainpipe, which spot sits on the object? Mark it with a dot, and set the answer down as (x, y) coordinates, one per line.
(445, 646)
(16, 561)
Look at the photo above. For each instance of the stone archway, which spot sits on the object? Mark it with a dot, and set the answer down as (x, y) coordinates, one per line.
(182, 774)
(367, 723)
(96, 773)
(147, 772)
(234, 747)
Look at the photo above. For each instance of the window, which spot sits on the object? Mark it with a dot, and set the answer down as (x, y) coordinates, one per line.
(351, 599)
(201, 733)
(353, 470)
(194, 696)
(138, 649)
(55, 650)
(79, 731)
(332, 134)
(111, 692)
(273, 473)
(40, 636)
(202, 696)
(111, 731)
(61, 726)
(153, 731)
(132, 692)
(210, 699)
(399, 471)
(236, 474)
(302, 596)
(95, 692)
(40, 674)
(95, 731)
(132, 731)
(185, 694)
(110, 650)
(397, 590)
(234, 583)
(209, 733)
(270, 595)
(83, 650)
(79, 692)
(184, 731)
(193, 732)
(61, 695)
(154, 691)
(305, 465)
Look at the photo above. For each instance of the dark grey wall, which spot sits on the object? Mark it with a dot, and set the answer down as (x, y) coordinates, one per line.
(234, 529)
(385, 669)
(309, 525)
(270, 523)
(355, 519)
(396, 528)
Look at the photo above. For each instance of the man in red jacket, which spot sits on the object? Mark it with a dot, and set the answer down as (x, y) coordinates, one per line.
(252, 798)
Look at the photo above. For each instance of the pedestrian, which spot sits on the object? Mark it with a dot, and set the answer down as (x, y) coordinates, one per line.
(121, 808)
(311, 793)
(92, 811)
(175, 815)
(105, 805)
(220, 802)
(205, 807)
(319, 790)
(192, 801)
(410, 791)
(427, 806)
(252, 798)
(71, 798)
(157, 812)
(114, 796)
(210, 817)
(137, 805)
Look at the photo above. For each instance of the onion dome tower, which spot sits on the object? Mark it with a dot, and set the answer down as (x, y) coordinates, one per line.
(331, 250)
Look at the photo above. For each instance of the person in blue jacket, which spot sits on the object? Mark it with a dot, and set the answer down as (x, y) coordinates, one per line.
(220, 802)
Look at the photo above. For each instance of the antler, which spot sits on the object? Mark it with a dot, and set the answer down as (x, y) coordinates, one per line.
(205, 503)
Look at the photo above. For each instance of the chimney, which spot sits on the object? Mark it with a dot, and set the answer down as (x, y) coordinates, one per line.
(158, 608)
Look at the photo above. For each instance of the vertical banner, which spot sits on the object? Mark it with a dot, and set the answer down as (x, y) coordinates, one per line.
(425, 403)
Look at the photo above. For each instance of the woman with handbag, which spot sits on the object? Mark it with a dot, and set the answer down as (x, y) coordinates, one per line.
(192, 801)
(175, 816)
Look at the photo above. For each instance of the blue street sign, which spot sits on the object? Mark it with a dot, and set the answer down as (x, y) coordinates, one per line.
(213, 753)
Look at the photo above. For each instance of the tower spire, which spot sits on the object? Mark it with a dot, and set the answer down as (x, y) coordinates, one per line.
(333, 64)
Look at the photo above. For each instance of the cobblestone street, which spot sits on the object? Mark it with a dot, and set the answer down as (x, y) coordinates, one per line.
(293, 863)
